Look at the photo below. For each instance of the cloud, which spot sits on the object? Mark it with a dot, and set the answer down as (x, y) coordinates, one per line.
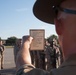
(21, 9)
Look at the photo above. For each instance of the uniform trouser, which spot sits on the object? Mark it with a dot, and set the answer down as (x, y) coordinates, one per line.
(1, 60)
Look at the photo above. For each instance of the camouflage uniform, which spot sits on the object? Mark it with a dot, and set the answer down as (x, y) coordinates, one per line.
(49, 57)
(1, 54)
(67, 68)
(17, 48)
(38, 59)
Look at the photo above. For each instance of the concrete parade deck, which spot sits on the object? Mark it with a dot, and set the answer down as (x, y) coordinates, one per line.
(9, 64)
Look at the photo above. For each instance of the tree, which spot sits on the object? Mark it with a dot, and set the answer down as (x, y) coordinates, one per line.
(11, 40)
(50, 39)
(0, 38)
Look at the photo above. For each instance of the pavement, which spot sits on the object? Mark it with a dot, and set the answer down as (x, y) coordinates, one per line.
(9, 64)
(10, 71)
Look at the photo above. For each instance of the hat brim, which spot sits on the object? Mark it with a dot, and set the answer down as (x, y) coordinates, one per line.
(43, 10)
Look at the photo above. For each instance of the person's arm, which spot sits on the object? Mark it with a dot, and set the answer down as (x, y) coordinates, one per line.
(24, 54)
(23, 62)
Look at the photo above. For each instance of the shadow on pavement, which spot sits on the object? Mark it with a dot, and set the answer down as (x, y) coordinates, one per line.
(10, 71)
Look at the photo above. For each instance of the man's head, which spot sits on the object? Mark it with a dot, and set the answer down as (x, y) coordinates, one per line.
(1, 42)
(64, 16)
(65, 24)
(18, 42)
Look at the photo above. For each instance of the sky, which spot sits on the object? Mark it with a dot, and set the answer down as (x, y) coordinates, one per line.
(17, 18)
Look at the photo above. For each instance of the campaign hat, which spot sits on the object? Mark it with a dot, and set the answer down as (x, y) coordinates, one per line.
(43, 10)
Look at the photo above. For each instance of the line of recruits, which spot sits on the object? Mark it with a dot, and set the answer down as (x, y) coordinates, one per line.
(49, 58)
